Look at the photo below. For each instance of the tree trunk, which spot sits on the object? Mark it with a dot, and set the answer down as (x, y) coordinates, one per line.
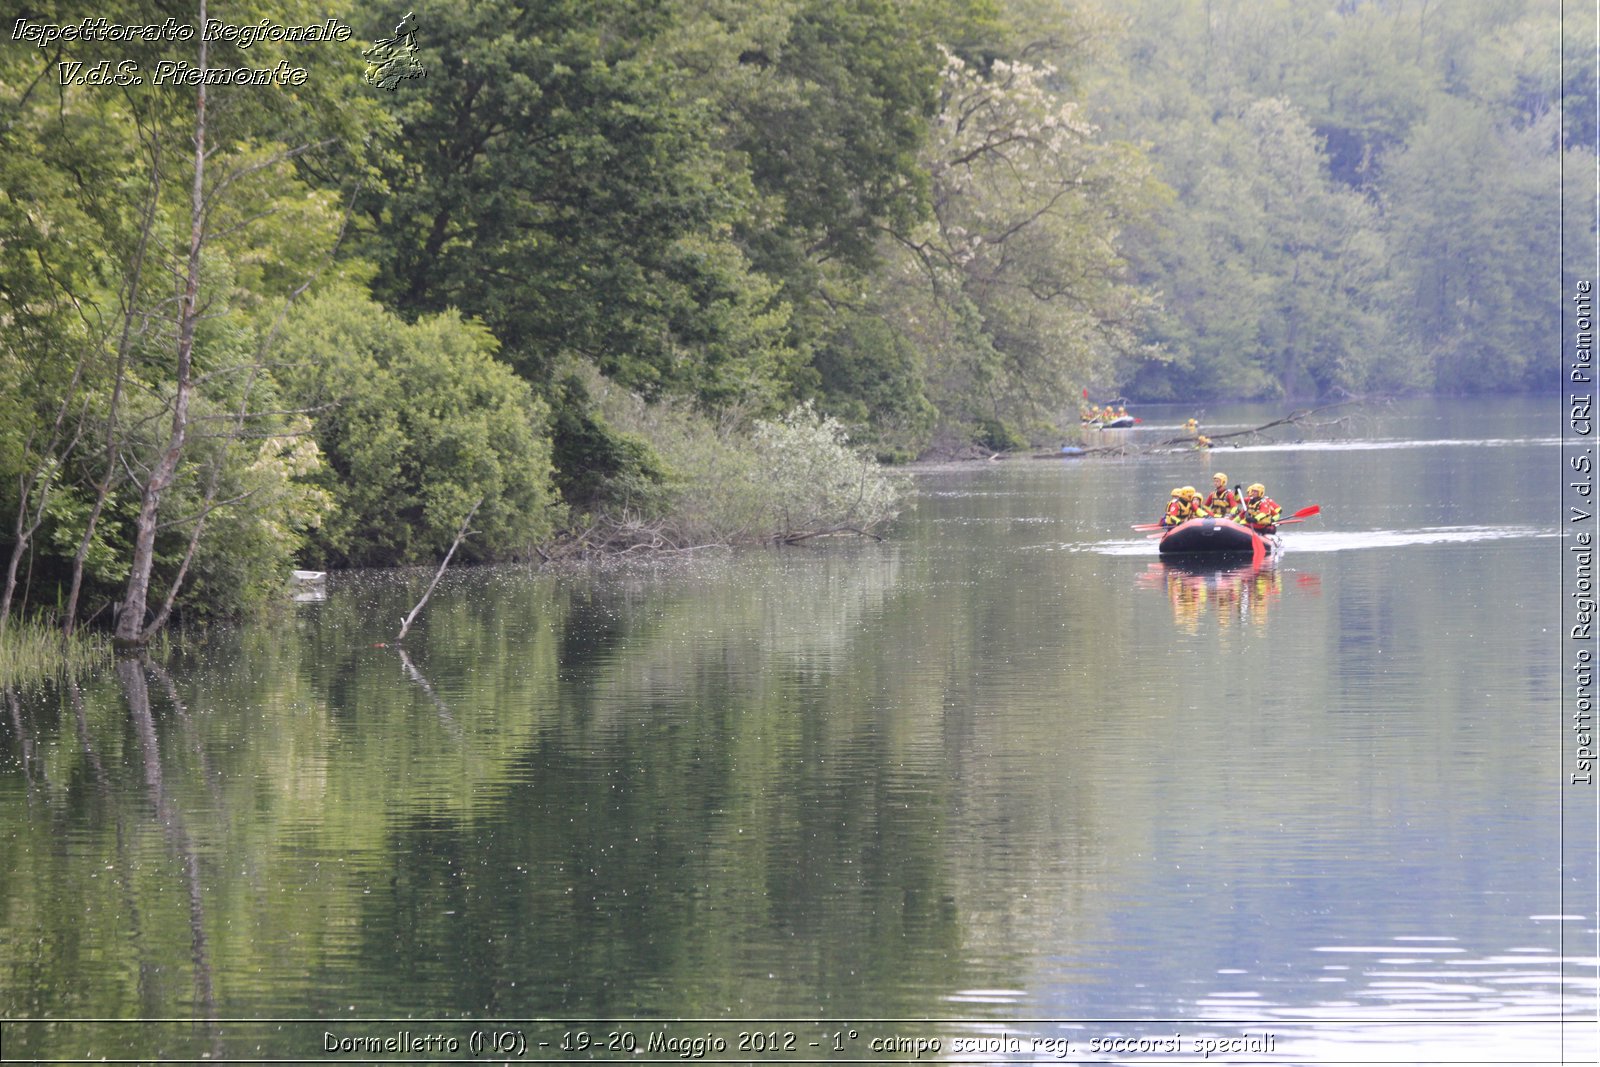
(69, 620)
(131, 629)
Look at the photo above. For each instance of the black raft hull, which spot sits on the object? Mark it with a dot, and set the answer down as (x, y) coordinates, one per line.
(1217, 537)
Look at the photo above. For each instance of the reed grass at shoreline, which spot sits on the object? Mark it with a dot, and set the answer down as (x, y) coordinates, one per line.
(31, 652)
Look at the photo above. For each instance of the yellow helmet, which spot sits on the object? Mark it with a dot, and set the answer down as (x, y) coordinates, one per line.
(1256, 490)
(1189, 491)
(1177, 492)
(1220, 478)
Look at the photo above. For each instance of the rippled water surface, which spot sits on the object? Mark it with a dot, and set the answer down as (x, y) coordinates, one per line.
(1005, 779)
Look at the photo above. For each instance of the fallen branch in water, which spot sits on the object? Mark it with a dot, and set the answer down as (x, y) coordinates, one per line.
(461, 533)
(796, 538)
(609, 536)
(1189, 439)
(1288, 420)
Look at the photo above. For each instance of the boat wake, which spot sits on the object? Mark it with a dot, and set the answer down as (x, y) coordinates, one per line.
(1367, 446)
(1303, 541)
(1341, 541)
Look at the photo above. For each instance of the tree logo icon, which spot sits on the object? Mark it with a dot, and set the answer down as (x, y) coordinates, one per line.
(393, 60)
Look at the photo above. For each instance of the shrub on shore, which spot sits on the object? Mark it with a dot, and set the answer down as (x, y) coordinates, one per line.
(733, 482)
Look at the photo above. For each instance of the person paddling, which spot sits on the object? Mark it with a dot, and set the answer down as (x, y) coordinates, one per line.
(1222, 501)
(1261, 512)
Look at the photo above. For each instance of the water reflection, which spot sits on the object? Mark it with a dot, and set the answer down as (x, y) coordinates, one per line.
(1231, 591)
(967, 774)
(133, 677)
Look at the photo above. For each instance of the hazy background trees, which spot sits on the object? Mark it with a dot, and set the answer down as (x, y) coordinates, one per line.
(1367, 193)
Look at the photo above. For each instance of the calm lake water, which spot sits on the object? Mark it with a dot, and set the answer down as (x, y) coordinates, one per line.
(1002, 788)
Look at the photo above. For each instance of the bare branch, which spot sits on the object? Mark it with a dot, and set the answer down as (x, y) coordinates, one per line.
(461, 533)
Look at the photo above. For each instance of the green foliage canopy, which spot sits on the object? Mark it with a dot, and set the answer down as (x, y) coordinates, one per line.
(553, 182)
(418, 422)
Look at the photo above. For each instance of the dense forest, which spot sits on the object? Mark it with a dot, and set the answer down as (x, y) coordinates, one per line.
(316, 287)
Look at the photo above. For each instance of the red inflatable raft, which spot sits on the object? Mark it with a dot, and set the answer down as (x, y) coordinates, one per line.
(1218, 537)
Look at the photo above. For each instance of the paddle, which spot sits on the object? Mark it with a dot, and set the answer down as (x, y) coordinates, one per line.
(1303, 514)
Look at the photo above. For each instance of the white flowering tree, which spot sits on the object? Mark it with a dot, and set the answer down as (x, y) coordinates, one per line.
(812, 482)
(1016, 290)
(785, 479)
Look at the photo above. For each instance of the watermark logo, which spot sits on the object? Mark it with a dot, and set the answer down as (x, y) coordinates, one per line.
(394, 59)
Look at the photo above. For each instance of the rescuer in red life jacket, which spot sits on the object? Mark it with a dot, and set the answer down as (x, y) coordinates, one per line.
(1261, 512)
(1185, 505)
(1222, 501)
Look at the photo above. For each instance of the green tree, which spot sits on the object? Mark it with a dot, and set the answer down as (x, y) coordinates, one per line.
(1475, 215)
(553, 182)
(144, 433)
(1272, 275)
(1363, 191)
(417, 422)
(832, 135)
(1015, 292)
